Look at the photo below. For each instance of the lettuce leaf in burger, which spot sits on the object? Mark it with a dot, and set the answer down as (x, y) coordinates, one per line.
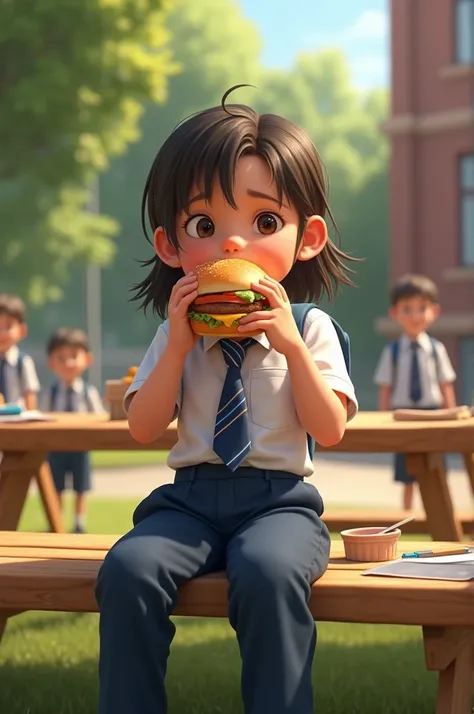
(225, 296)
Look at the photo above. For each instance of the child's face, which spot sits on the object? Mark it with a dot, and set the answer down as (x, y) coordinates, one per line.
(259, 230)
(69, 363)
(11, 332)
(415, 314)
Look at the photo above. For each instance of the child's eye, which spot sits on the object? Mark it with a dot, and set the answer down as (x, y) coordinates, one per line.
(199, 227)
(268, 223)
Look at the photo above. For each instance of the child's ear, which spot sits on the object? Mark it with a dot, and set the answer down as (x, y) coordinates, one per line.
(164, 249)
(392, 311)
(436, 309)
(23, 331)
(89, 359)
(314, 238)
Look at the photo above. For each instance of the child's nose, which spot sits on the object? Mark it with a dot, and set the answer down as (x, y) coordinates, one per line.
(233, 244)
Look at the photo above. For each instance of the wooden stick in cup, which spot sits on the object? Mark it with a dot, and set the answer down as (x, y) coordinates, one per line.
(396, 525)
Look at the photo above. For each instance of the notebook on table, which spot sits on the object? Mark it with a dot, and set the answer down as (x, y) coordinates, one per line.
(450, 414)
(448, 567)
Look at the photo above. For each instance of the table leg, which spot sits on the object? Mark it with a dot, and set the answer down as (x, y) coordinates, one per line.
(449, 651)
(4, 615)
(469, 464)
(49, 497)
(16, 472)
(429, 471)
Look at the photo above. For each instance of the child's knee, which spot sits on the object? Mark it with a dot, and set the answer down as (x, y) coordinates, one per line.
(123, 569)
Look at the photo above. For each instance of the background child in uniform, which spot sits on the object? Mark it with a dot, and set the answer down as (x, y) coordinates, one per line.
(69, 356)
(414, 372)
(18, 380)
(229, 184)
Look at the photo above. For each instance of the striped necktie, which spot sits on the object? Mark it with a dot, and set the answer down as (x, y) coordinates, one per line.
(70, 404)
(415, 377)
(231, 432)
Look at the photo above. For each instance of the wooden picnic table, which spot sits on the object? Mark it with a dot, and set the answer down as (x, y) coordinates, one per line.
(26, 444)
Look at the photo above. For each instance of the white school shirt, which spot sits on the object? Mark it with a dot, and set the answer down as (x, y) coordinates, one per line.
(79, 388)
(16, 388)
(279, 442)
(430, 375)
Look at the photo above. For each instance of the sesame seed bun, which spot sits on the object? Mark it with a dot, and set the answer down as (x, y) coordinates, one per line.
(219, 276)
(225, 276)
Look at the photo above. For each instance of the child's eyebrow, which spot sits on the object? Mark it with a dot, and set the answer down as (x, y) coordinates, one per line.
(199, 197)
(259, 194)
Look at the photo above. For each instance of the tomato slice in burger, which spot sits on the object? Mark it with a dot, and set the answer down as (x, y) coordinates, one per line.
(219, 297)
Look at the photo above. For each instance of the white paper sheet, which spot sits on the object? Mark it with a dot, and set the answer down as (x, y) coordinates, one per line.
(33, 415)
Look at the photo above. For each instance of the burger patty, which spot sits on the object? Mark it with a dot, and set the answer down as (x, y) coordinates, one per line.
(227, 308)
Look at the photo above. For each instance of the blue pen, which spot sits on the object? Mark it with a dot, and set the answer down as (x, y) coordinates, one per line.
(434, 554)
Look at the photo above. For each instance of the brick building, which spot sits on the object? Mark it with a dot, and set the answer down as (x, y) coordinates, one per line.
(431, 131)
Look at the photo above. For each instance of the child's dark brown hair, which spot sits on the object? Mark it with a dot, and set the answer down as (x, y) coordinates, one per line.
(13, 307)
(409, 286)
(208, 145)
(68, 337)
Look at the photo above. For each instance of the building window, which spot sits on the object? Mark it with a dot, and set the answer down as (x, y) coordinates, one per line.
(466, 181)
(465, 31)
(467, 371)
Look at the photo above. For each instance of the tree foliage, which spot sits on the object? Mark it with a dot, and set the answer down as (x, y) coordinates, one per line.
(216, 47)
(73, 78)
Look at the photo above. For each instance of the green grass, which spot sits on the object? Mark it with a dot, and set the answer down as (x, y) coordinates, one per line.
(117, 459)
(48, 661)
(48, 664)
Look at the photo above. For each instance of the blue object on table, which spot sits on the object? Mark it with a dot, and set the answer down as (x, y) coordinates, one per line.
(425, 553)
(10, 410)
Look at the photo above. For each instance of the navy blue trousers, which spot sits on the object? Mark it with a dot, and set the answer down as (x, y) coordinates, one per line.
(401, 474)
(264, 529)
(76, 464)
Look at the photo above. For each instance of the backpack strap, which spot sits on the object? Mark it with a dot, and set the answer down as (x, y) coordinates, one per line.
(53, 396)
(395, 352)
(87, 397)
(19, 366)
(434, 346)
(300, 312)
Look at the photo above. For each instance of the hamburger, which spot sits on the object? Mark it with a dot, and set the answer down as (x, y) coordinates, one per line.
(225, 296)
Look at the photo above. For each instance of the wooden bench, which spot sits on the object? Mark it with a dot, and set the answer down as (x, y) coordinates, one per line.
(338, 519)
(58, 572)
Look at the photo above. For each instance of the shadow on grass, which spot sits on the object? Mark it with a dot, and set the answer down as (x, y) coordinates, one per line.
(204, 677)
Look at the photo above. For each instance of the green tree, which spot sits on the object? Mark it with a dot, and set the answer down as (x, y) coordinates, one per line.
(216, 47)
(319, 95)
(73, 78)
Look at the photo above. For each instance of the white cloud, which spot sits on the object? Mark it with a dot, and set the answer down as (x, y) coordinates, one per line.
(370, 71)
(370, 25)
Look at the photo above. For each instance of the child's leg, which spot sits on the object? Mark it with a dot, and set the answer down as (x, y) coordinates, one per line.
(402, 476)
(136, 592)
(58, 465)
(81, 483)
(271, 562)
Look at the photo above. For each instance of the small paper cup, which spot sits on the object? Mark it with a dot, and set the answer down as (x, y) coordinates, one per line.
(366, 545)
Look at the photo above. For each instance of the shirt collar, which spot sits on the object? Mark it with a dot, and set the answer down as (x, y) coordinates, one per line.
(423, 340)
(77, 385)
(11, 356)
(209, 342)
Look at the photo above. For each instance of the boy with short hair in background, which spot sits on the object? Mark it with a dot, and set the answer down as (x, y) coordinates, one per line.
(69, 356)
(414, 372)
(18, 380)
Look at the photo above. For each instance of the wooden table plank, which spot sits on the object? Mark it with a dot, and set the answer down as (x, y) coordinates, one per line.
(374, 432)
(340, 595)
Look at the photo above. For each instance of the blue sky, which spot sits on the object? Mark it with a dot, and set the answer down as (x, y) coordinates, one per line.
(359, 27)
